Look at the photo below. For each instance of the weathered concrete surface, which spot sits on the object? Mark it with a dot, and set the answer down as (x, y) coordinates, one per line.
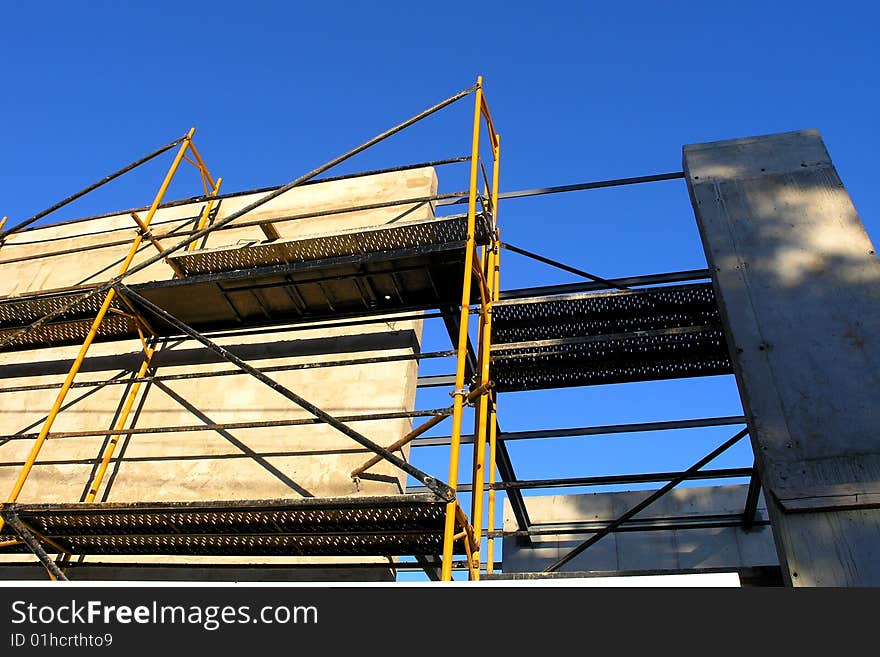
(222, 464)
(798, 284)
(662, 551)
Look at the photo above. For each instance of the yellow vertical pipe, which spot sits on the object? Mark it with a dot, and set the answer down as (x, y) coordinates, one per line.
(206, 212)
(493, 443)
(120, 424)
(495, 284)
(93, 331)
(201, 163)
(496, 170)
(458, 401)
(482, 416)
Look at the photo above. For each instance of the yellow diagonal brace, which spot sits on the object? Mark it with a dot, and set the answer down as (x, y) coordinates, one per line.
(120, 424)
(149, 235)
(93, 331)
(203, 220)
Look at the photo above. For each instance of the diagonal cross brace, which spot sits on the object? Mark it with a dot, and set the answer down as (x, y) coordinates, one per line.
(194, 237)
(12, 519)
(653, 497)
(435, 485)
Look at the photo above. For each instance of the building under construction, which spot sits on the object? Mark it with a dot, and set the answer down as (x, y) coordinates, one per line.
(224, 387)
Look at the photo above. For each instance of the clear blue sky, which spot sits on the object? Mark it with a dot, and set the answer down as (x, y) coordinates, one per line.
(579, 91)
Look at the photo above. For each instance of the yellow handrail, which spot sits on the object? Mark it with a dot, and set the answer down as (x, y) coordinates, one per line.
(460, 392)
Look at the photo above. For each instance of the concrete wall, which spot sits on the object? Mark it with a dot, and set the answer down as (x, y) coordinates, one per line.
(222, 464)
(691, 549)
(798, 284)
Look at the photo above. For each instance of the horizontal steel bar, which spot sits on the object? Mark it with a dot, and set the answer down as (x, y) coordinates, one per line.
(653, 496)
(597, 184)
(608, 429)
(632, 526)
(517, 348)
(504, 195)
(592, 286)
(345, 210)
(246, 192)
(225, 456)
(315, 323)
(376, 172)
(229, 425)
(608, 480)
(436, 380)
(218, 373)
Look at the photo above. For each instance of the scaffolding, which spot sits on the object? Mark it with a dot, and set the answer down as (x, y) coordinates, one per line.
(407, 266)
(596, 332)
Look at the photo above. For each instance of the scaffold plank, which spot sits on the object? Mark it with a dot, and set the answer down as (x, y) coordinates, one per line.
(608, 337)
(393, 525)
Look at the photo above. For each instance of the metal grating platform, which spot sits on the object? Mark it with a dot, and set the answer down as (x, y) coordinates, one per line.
(406, 266)
(386, 238)
(609, 337)
(394, 525)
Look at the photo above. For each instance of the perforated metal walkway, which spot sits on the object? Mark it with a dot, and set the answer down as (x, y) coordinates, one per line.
(348, 526)
(405, 266)
(608, 337)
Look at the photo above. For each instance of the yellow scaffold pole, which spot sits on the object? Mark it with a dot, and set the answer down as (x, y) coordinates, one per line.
(120, 424)
(93, 331)
(483, 430)
(460, 390)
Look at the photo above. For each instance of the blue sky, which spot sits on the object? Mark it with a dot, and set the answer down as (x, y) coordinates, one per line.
(579, 91)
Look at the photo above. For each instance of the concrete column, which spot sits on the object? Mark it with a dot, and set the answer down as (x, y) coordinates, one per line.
(798, 283)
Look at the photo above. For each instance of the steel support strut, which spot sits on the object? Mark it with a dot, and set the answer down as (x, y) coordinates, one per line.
(9, 516)
(433, 484)
(493, 272)
(653, 497)
(275, 193)
(93, 330)
(485, 427)
(418, 431)
(751, 507)
(70, 199)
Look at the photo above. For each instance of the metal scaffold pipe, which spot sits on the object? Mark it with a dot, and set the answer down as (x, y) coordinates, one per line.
(70, 199)
(239, 213)
(460, 393)
(93, 331)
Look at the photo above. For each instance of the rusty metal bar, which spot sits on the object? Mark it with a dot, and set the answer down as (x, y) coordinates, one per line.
(90, 188)
(415, 433)
(235, 215)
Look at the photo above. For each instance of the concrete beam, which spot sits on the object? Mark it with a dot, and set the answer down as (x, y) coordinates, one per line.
(707, 533)
(798, 284)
